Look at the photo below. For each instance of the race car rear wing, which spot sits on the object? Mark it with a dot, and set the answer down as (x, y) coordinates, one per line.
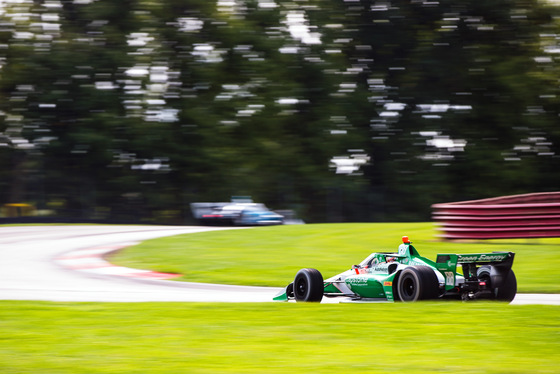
(494, 258)
(501, 263)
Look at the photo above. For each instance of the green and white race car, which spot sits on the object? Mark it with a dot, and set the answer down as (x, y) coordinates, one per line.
(407, 276)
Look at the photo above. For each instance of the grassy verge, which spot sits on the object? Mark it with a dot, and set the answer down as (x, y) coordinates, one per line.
(270, 256)
(64, 338)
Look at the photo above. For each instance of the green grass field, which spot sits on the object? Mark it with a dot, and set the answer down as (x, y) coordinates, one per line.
(271, 256)
(39, 337)
(425, 337)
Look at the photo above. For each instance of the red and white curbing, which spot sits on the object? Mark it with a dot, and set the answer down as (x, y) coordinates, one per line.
(90, 260)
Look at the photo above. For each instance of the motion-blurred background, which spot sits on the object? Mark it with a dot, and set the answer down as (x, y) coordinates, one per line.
(338, 110)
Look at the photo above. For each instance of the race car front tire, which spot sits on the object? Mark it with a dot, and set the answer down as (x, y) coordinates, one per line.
(417, 283)
(308, 285)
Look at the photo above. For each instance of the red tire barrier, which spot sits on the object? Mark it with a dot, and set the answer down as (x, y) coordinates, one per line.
(535, 215)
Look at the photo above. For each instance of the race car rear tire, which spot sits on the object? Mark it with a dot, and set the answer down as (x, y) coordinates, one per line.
(308, 285)
(507, 290)
(417, 283)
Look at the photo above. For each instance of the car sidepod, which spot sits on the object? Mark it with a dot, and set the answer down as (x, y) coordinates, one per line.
(371, 285)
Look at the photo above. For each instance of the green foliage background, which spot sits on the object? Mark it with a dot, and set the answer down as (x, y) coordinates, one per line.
(133, 109)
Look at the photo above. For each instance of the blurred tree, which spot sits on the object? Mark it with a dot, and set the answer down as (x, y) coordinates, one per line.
(253, 109)
(456, 91)
(342, 110)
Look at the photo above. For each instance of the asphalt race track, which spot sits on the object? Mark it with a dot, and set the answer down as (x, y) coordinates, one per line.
(63, 263)
(32, 267)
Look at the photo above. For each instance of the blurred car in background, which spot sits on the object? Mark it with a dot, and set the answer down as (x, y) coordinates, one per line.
(238, 212)
(258, 215)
